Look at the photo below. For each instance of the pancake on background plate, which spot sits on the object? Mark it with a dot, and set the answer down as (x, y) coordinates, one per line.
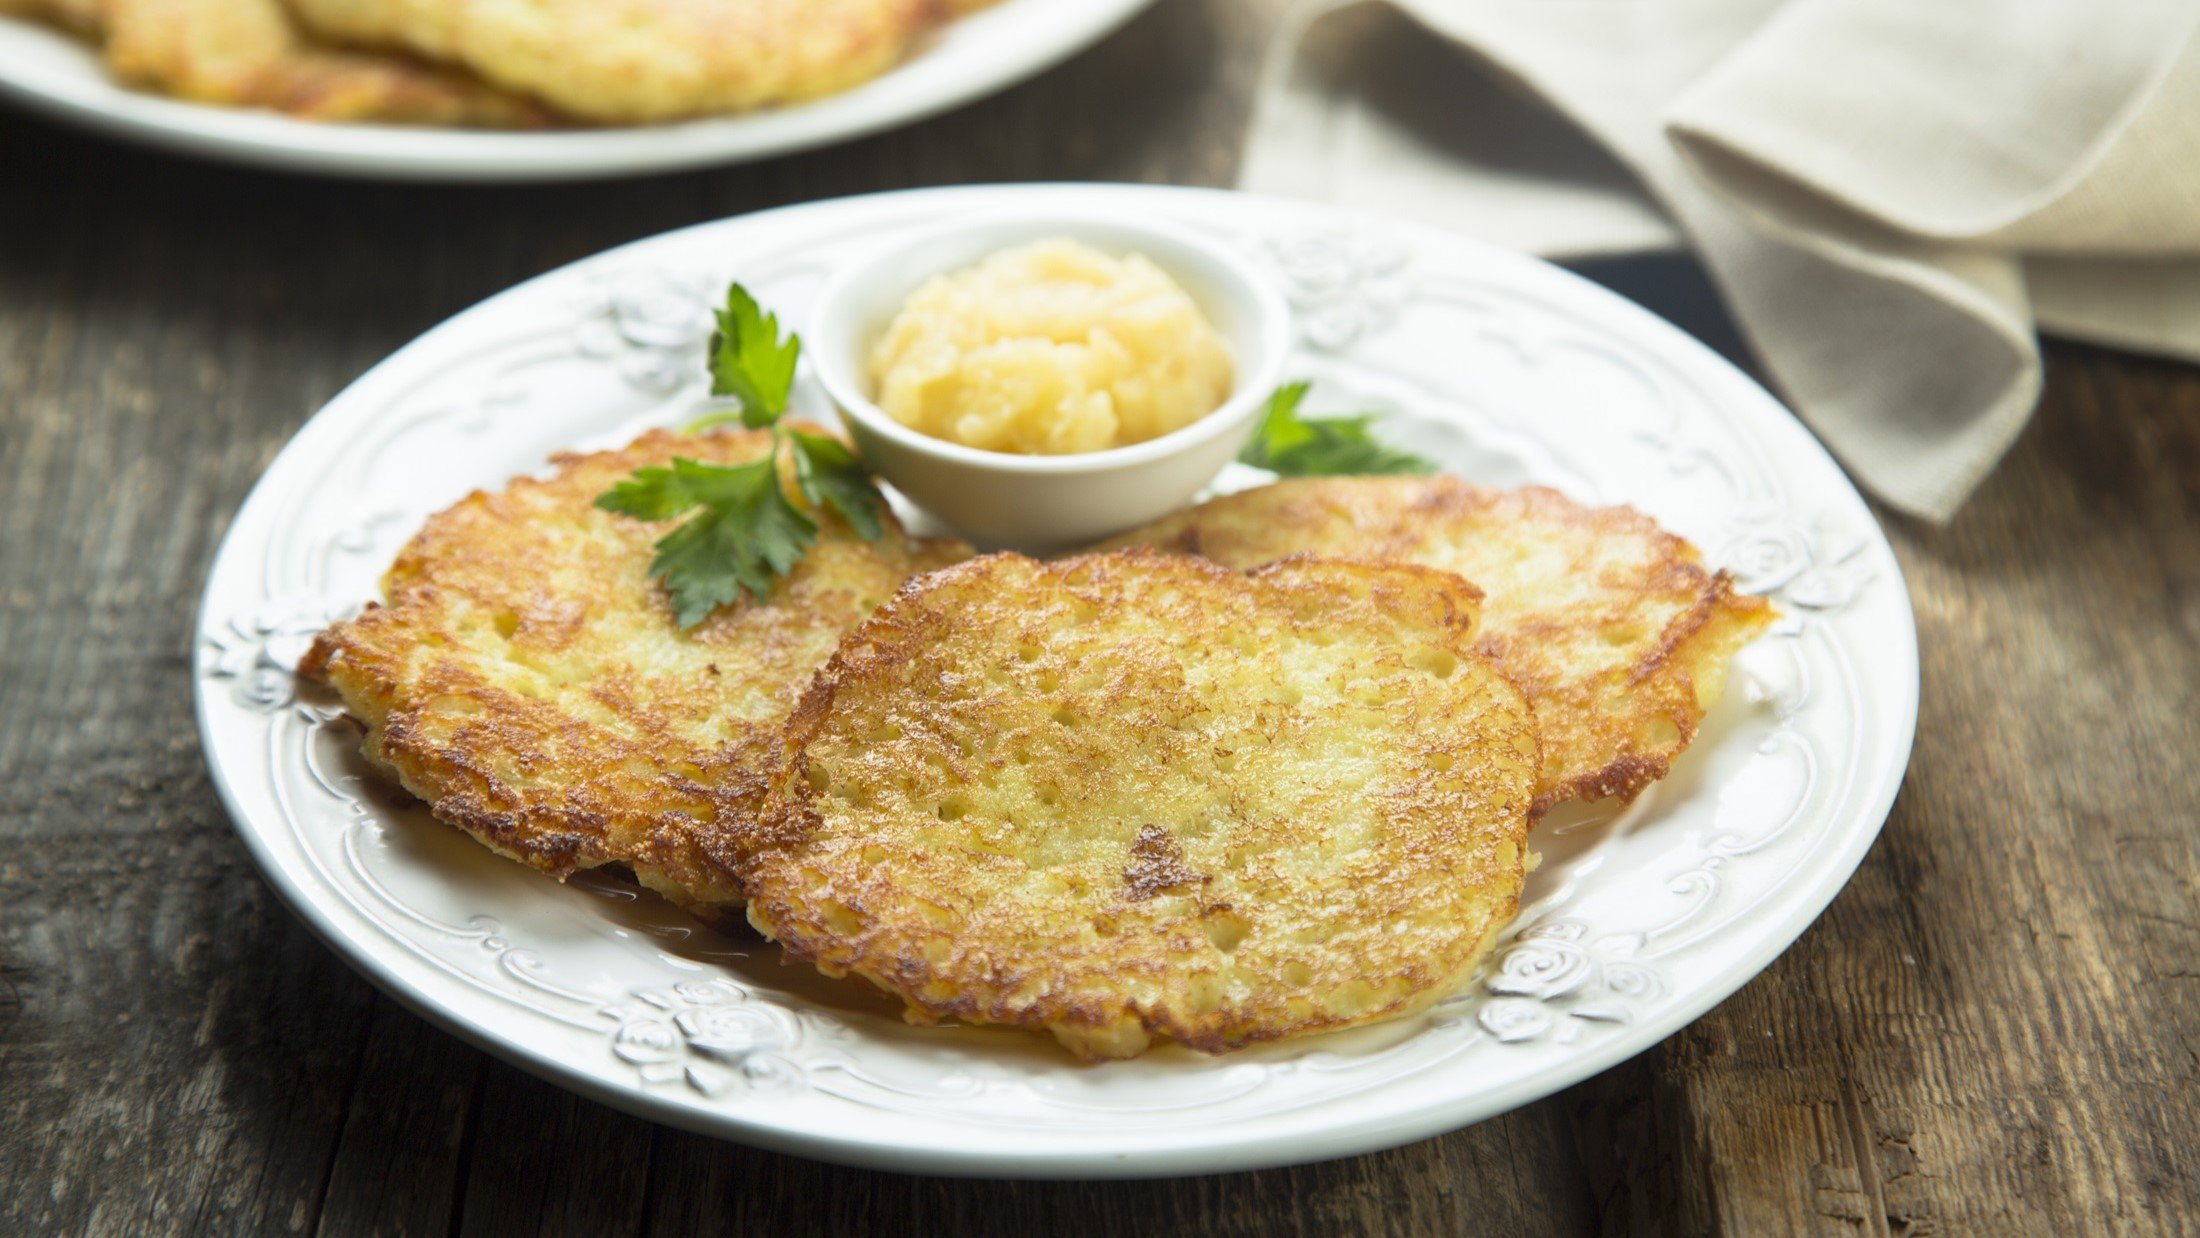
(249, 53)
(640, 61)
(498, 64)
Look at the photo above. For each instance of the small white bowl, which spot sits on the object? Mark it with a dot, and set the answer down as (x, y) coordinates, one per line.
(1044, 503)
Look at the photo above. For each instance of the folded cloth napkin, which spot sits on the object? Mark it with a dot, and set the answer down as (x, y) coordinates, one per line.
(1894, 196)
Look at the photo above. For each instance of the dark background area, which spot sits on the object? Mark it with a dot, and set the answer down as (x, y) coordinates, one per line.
(1995, 1028)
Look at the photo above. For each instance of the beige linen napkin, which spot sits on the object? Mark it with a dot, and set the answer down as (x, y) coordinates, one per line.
(1893, 195)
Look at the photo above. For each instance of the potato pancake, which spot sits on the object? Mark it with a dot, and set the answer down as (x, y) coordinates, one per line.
(633, 61)
(527, 680)
(1135, 795)
(248, 53)
(1613, 627)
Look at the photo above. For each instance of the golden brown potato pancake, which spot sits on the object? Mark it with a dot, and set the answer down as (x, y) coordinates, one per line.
(248, 53)
(526, 678)
(630, 61)
(1135, 795)
(1612, 626)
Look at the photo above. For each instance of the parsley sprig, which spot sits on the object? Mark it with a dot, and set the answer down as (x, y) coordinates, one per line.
(1293, 446)
(742, 530)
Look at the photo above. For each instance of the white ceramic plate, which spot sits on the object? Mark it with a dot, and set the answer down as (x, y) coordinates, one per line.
(974, 56)
(1507, 369)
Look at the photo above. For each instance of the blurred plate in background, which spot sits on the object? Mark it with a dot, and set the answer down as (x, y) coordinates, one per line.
(972, 57)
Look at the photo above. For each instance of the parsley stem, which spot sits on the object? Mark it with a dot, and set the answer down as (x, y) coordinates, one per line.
(711, 421)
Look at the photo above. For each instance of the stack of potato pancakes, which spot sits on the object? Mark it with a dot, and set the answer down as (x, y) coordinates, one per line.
(498, 63)
(1266, 767)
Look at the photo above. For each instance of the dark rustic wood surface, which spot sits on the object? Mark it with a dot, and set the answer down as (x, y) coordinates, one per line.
(1995, 1029)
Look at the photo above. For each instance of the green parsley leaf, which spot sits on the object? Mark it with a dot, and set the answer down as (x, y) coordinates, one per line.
(742, 530)
(749, 360)
(832, 476)
(745, 537)
(1292, 446)
(650, 494)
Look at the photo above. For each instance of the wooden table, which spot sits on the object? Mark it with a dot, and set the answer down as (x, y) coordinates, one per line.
(1996, 1028)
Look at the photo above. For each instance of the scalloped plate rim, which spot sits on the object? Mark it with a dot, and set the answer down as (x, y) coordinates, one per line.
(1154, 1156)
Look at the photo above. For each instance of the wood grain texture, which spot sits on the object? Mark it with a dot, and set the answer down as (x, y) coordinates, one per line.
(1995, 1029)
